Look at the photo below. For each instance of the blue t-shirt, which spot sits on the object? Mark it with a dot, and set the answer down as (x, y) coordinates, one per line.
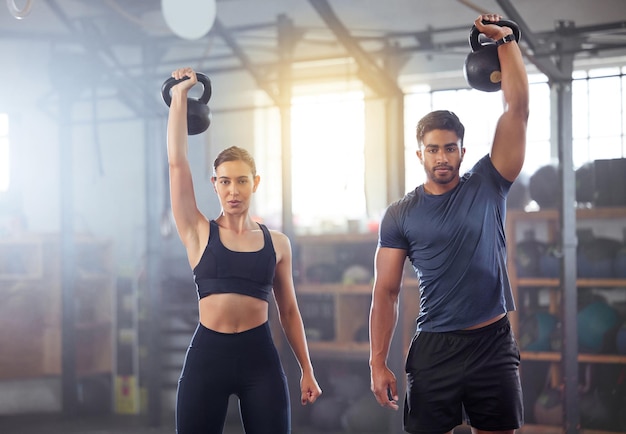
(456, 243)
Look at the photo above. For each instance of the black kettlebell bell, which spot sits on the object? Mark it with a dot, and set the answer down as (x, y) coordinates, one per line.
(482, 66)
(198, 112)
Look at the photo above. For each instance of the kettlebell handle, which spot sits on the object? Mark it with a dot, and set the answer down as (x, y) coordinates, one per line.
(171, 82)
(474, 33)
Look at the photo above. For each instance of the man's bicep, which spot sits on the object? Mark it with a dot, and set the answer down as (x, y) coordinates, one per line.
(509, 146)
(389, 263)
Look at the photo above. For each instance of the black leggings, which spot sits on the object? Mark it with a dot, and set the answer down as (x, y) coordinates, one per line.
(245, 364)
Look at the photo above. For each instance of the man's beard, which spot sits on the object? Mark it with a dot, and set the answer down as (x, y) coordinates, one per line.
(451, 174)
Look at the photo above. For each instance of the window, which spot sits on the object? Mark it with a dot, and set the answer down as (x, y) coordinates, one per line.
(479, 112)
(328, 159)
(479, 128)
(328, 127)
(538, 133)
(5, 161)
(598, 123)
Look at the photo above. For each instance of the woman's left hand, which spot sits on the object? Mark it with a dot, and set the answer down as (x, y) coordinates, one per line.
(310, 389)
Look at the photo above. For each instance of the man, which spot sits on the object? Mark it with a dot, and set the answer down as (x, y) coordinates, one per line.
(463, 357)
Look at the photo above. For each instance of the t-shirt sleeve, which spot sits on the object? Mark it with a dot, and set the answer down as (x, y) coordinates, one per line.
(390, 232)
(485, 165)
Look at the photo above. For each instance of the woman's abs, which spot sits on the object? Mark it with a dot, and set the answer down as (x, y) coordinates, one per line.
(232, 313)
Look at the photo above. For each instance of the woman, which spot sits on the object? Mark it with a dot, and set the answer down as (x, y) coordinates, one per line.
(237, 265)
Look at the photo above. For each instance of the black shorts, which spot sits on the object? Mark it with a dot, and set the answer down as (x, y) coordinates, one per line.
(472, 370)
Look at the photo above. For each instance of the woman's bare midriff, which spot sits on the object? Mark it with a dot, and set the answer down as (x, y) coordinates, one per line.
(232, 313)
(486, 323)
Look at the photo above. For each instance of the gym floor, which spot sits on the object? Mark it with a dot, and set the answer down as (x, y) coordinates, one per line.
(53, 424)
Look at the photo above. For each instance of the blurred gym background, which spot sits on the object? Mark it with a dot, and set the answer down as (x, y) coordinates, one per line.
(98, 302)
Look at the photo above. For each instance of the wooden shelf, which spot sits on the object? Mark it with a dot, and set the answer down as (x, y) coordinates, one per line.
(540, 429)
(548, 356)
(31, 287)
(545, 282)
(525, 291)
(21, 259)
(336, 313)
(334, 288)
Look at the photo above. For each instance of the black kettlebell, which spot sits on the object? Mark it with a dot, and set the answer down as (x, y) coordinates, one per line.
(482, 66)
(198, 112)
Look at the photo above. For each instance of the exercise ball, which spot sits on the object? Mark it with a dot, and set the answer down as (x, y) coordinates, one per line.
(537, 331)
(548, 408)
(594, 322)
(528, 253)
(357, 274)
(518, 196)
(543, 186)
(593, 412)
(585, 184)
(550, 262)
(595, 256)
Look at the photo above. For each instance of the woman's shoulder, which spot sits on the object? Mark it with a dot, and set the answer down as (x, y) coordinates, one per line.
(280, 241)
(277, 235)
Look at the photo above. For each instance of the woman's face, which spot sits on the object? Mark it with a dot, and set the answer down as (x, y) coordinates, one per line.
(234, 185)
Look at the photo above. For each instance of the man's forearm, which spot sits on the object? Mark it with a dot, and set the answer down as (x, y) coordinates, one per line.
(383, 320)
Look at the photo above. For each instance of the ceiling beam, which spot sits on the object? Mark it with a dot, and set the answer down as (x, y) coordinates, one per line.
(371, 72)
(512, 14)
(545, 65)
(132, 91)
(245, 61)
(543, 48)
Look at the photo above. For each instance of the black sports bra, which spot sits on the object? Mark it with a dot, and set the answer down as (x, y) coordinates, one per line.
(221, 270)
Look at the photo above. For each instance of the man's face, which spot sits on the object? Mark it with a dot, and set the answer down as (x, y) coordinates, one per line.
(441, 154)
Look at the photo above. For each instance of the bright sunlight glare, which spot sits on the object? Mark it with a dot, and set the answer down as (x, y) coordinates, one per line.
(328, 159)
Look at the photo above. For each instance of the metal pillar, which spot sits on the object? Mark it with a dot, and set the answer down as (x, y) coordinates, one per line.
(562, 94)
(396, 167)
(154, 150)
(286, 40)
(394, 124)
(69, 386)
(153, 147)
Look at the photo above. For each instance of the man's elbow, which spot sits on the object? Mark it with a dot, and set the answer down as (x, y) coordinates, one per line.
(519, 108)
(388, 294)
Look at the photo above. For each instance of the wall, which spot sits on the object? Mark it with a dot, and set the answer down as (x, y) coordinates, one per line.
(108, 172)
(109, 185)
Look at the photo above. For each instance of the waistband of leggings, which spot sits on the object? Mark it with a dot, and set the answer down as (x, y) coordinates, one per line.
(205, 335)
